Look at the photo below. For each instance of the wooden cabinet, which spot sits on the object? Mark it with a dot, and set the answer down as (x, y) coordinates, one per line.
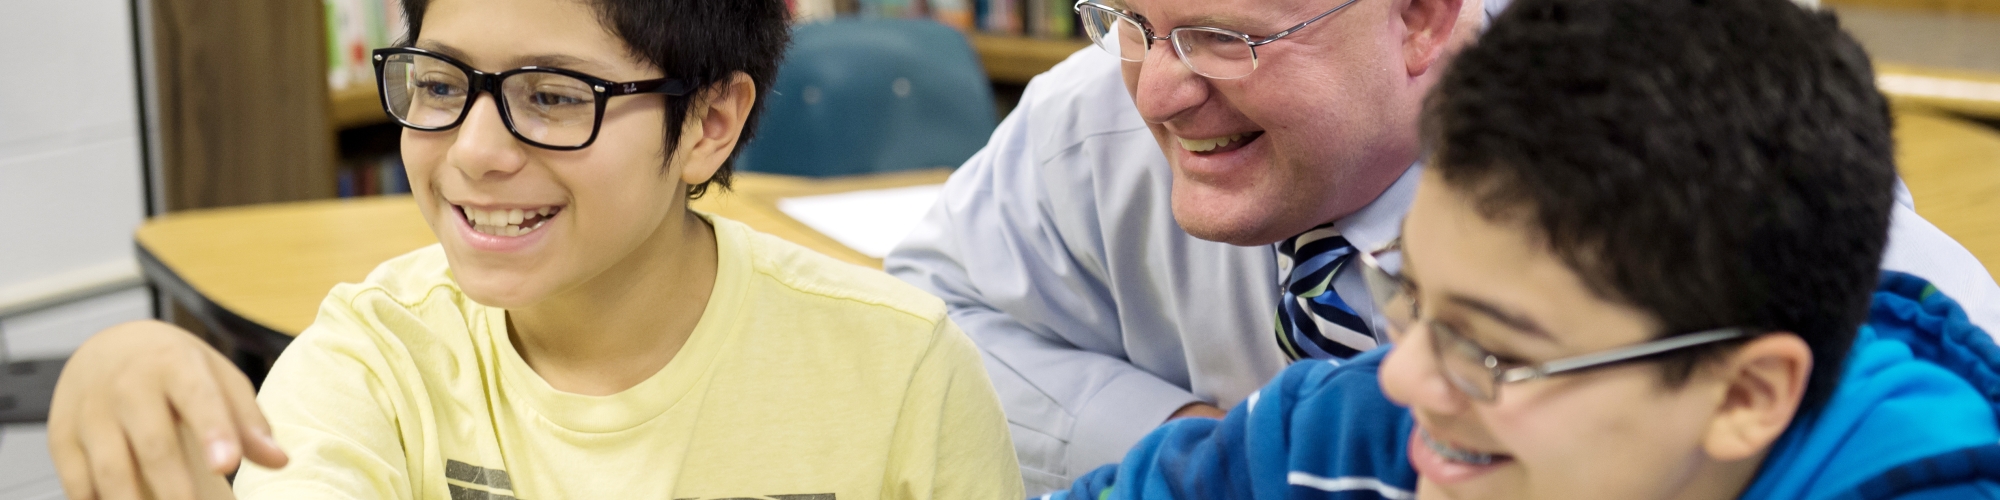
(240, 102)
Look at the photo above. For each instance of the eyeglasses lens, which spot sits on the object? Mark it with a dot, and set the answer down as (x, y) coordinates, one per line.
(428, 93)
(1115, 34)
(1462, 362)
(1215, 53)
(550, 108)
(1392, 298)
(423, 92)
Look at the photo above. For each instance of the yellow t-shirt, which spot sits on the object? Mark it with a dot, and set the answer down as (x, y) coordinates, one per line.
(806, 379)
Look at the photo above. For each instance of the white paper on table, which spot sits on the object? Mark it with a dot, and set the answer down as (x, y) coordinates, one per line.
(871, 222)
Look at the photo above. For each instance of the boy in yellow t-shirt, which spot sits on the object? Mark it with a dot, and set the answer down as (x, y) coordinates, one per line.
(805, 376)
(578, 332)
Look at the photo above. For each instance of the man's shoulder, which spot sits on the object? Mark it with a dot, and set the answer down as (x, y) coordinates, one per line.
(1918, 247)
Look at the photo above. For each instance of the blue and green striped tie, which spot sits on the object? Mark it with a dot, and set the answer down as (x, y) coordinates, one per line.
(1313, 322)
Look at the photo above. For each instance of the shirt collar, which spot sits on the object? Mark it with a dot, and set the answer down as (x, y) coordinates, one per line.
(1381, 221)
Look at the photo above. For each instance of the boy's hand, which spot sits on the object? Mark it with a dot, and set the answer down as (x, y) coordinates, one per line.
(127, 398)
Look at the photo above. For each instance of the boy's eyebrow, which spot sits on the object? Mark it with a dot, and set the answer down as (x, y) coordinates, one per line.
(543, 60)
(560, 61)
(441, 48)
(1515, 321)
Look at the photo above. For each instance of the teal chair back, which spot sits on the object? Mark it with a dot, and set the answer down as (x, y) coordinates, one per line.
(859, 96)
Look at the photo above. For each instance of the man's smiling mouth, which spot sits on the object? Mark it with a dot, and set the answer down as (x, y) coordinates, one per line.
(507, 222)
(1217, 145)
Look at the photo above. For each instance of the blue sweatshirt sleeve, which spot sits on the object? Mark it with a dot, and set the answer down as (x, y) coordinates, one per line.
(1319, 430)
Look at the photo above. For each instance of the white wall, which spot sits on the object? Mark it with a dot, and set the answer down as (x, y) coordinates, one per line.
(70, 170)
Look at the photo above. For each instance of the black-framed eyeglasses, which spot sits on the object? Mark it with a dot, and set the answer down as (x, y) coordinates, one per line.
(1479, 373)
(1219, 53)
(550, 108)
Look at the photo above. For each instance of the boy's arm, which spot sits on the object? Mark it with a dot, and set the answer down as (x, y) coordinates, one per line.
(951, 439)
(1315, 423)
(147, 408)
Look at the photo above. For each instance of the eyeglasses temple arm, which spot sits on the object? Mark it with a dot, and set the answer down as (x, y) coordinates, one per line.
(669, 86)
(1559, 366)
(1275, 36)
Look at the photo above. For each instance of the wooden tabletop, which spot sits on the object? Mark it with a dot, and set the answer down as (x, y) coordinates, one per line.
(1953, 169)
(272, 264)
(1930, 53)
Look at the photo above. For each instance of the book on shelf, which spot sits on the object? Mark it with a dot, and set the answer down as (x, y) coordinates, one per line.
(953, 13)
(353, 28)
(1039, 18)
(377, 175)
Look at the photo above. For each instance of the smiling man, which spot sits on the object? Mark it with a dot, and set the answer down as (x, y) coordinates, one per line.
(1643, 263)
(1170, 218)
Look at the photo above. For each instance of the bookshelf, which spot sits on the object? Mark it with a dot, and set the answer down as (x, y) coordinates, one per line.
(356, 107)
(1008, 60)
(1014, 39)
(230, 109)
(1015, 59)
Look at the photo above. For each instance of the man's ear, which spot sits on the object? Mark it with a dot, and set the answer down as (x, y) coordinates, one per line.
(1763, 382)
(714, 124)
(1429, 26)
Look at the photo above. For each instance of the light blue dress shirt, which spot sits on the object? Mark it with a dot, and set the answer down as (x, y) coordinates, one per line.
(1056, 250)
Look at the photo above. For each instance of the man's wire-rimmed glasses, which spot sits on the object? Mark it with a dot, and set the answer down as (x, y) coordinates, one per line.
(1479, 373)
(1219, 53)
(551, 108)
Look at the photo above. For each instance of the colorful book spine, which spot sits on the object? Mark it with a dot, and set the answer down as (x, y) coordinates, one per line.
(953, 13)
(353, 28)
(1001, 17)
(1061, 21)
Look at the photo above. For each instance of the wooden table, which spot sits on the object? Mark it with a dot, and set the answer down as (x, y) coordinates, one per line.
(1953, 169)
(256, 274)
(1926, 56)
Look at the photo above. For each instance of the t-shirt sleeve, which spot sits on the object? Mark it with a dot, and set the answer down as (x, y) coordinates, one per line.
(951, 437)
(332, 410)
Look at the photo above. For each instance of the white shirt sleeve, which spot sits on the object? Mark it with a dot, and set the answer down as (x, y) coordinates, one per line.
(1919, 248)
(1056, 250)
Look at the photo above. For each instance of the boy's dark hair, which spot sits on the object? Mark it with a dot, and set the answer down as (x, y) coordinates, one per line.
(703, 41)
(1717, 163)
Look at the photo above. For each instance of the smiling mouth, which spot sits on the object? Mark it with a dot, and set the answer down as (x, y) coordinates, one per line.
(509, 222)
(1218, 145)
(1467, 457)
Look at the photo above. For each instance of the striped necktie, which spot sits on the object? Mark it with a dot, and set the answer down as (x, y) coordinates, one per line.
(1313, 322)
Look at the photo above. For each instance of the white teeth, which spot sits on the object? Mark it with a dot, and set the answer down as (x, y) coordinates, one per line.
(505, 222)
(1206, 145)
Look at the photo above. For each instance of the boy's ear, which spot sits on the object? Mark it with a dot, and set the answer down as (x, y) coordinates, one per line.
(1764, 382)
(715, 123)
